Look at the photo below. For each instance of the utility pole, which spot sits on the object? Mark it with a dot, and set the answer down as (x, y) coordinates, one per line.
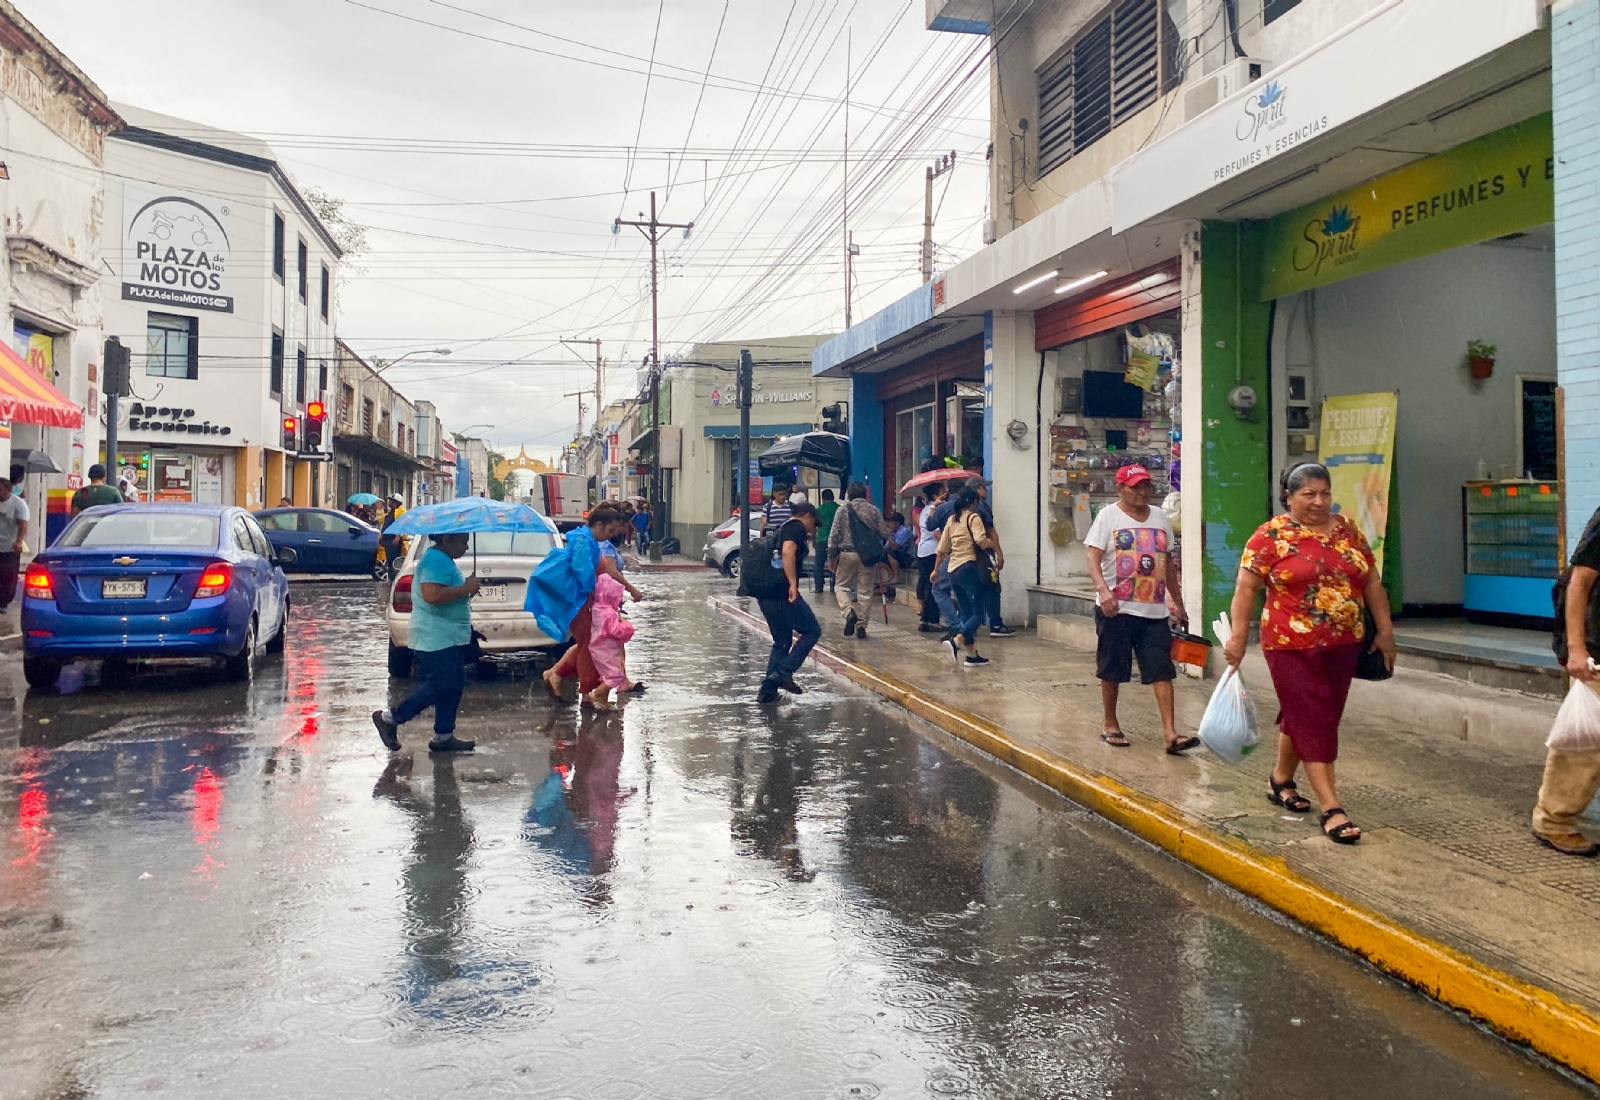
(599, 370)
(937, 169)
(849, 247)
(579, 395)
(652, 231)
(742, 479)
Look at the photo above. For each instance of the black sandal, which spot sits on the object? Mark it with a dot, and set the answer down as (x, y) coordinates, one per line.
(1116, 739)
(1182, 745)
(1340, 834)
(1296, 803)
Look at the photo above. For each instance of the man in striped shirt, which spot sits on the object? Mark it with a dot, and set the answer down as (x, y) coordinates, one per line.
(776, 512)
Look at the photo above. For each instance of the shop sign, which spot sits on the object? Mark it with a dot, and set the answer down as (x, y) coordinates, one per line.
(170, 418)
(1379, 58)
(1501, 183)
(176, 249)
(1358, 450)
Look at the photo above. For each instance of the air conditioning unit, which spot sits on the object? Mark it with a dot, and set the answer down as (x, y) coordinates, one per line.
(1227, 81)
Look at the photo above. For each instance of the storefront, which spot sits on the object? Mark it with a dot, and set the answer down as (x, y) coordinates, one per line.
(932, 409)
(1108, 396)
(1413, 348)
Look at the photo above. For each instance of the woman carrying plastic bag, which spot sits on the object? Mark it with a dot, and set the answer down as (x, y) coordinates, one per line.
(1228, 727)
(1317, 572)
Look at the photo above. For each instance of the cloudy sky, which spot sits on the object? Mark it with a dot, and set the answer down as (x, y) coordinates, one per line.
(488, 145)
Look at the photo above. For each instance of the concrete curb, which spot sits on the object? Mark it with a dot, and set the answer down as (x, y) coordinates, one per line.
(645, 565)
(1516, 1009)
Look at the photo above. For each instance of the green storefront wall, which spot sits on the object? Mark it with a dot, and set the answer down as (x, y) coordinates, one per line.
(1235, 480)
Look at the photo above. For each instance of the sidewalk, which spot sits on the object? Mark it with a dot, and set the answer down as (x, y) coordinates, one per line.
(1447, 889)
(670, 561)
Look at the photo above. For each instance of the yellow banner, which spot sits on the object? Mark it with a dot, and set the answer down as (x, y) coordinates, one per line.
(1358, 450)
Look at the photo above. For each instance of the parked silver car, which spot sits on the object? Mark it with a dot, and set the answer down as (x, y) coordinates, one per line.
(722, 544)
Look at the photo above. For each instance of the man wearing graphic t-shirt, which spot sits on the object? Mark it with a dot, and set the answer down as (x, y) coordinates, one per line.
(1129, 548)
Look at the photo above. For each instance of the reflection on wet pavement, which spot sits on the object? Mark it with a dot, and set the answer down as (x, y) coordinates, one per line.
(207, 890)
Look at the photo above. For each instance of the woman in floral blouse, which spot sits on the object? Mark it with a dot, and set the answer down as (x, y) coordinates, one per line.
(1317, 570)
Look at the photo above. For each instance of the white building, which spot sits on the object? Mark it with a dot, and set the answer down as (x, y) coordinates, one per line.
(220, 280)
(53, 126)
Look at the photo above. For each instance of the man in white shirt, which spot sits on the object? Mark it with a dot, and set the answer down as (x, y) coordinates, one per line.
(13, 529)
(1129, 547)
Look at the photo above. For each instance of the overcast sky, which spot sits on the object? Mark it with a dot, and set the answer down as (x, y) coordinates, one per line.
(489, 144)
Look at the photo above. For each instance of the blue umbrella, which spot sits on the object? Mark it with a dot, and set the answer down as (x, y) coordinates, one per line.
(467, 515)
(362, 498)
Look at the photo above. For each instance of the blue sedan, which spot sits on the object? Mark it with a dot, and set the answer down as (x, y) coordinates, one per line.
(155, 580)
(325, 541)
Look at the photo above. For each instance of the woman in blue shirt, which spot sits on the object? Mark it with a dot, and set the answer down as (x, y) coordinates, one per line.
(439, 631)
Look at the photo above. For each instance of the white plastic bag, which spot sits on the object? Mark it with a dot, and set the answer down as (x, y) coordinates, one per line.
(1229, 727)
(1577, 725)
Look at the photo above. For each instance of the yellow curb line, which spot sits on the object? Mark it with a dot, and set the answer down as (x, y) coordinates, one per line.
(1519, 1010)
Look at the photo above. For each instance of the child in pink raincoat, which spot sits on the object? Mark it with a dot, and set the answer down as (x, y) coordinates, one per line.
(606, 639)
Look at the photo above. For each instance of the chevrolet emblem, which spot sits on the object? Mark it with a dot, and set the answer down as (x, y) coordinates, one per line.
(123, 561)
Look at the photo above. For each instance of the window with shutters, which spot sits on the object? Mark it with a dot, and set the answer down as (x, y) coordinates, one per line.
(1111, 72)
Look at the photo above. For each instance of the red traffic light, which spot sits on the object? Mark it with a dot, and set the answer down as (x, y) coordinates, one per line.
(316, 410)
(289, 423)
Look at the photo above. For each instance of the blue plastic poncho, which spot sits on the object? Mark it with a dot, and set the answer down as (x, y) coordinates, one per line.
(560, 585)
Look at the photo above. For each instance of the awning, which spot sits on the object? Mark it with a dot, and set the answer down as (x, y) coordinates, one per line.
(757, 431)
(28, 399)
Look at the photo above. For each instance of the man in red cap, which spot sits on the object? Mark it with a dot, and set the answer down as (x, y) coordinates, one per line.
(1129, 548)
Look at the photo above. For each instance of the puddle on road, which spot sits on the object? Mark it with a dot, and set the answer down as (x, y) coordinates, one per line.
(206, 892)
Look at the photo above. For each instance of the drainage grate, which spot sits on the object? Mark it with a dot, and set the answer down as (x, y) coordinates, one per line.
(1588, 889)
(1514, 853)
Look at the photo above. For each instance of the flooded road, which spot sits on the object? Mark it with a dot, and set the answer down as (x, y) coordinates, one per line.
(212, 891)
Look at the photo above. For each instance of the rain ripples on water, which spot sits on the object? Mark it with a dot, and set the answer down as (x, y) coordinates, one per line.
(212, 891)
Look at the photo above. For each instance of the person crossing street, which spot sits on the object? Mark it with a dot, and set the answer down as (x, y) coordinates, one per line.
(790, 620)
(439, 633)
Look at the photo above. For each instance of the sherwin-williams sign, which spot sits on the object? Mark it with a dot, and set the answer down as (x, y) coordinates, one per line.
(1358, 450)
(1501, 183)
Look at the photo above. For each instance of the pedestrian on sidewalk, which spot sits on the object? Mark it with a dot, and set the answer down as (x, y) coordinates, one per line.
(790, 620)
(991, 579)
(1571, 779)
(439, 633)
(850, 567)
(13, 532)
(825, 513)
(1318, 571)
(927, 554)
(1129, 549)
(609, 632)
(641, 527)
(775, 513)
(965, 549)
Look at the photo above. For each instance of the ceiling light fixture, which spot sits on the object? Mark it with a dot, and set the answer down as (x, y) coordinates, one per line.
(1031, 283)
(1076, 283)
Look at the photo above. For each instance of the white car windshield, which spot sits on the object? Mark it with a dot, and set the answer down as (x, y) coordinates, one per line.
(523, 544)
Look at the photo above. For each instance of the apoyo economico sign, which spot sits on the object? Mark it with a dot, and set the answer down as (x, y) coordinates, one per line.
(177, 249)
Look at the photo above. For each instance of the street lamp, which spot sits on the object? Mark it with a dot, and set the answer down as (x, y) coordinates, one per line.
(469, 427)
(408, 355)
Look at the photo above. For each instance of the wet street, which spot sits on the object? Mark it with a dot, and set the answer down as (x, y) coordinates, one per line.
(211, 891)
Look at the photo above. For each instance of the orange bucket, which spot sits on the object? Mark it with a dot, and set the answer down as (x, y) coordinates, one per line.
(1190, 649)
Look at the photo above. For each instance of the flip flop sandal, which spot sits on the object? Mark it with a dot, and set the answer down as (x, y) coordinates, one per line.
(1116, 739)
(1346, 833)
(1295, 803)
(1182, 745)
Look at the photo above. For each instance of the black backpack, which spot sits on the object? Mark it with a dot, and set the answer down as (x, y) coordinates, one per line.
(758, 577)
(869, 545)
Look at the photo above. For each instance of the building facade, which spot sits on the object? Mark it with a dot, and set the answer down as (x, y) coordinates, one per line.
(220, 282)
(54, 123)
(436, 480)
(375, 435)
(1272, 207)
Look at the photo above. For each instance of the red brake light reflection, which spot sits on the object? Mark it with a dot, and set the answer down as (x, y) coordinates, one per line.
(38, 583)
(402, 593)
(215, 580)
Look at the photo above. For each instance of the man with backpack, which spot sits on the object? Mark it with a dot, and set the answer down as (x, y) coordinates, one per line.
(790, 619)
(856, 546)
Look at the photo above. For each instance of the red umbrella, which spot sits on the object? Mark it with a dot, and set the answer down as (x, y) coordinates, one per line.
(940, 475)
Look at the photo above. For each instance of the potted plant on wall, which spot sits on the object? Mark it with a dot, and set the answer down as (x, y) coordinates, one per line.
(1480, 357)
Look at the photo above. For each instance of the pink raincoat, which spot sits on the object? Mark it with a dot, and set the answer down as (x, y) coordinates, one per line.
(609, 631)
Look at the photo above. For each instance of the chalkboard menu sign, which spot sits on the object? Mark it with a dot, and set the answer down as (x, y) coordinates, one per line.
(1539, 430)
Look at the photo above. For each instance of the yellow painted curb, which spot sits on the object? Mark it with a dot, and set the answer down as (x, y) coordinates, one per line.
(1519, 1010)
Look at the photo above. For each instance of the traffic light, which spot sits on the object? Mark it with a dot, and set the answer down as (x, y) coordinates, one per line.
(836, 419)
(316, 414)
(118, 381)
(291, 433)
